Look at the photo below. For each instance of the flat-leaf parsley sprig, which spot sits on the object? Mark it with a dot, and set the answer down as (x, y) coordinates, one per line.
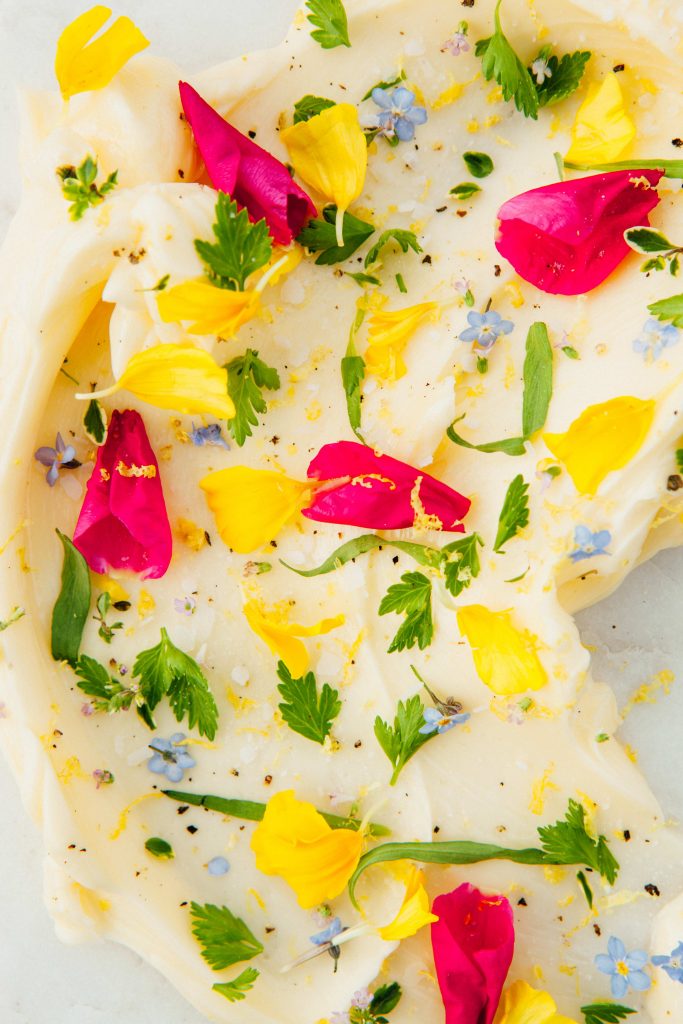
(402, 741)
(305, 709)
(79, 186)
(240, 249)
(226, 940)
(412, 597)
(557, 77)
(514, 515)
(330, 24)
(248, 376)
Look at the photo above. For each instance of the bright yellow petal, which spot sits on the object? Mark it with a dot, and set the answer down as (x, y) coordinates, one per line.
(388, 335)
(294, 842)
(414, 913)
(81, 65)
(602, 129)
(522, 1004)
(603, 438)
(329, 153)
(505, 658)
(209, 309)
(282, 637)
(252, 505)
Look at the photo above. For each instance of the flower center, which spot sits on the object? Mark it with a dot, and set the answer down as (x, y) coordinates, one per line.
(622, 968)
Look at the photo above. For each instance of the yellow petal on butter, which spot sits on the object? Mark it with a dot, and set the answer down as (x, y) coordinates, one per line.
(388, 335)
(602, 129)
(82, 63)
(522, 1004)
(414, 912)
(505, 657)
(603, 438)
(282, 637)
(329, 153)
(209, 310)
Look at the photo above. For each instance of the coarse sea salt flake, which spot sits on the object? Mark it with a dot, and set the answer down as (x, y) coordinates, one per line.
(240, 675)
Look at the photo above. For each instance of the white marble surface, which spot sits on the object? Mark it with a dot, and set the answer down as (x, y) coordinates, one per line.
(637, 632)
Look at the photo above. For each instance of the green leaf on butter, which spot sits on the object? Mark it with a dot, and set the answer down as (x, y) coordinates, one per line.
(71, 608)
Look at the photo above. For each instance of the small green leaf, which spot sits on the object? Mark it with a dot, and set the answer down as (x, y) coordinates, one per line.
(70, 612)
(565, 77)
(248, 376)
(14, 616)
(241, 247)
(669, 309)
(165, 670)
(647, 241)
(402, 740)
(538, 379)
(404, 239)
(310, 106)
(587, 891)
(330, 23)
(514, 515)
(346, 553)
(568, 842)
(413, 598)
(500, 62)
(387, 83)
(385, 999)
(602, 737)
(480, 165)
(78, 186)
(363, 279)
(401, 285)
(465, 190)
(463, 563)
(606, 1013)
(236, 990)
(353, 375)
(159, 848)
(224, 938)
(570, 352)
(95, 422)
(320, 236)
(508, 446)
(305, 710)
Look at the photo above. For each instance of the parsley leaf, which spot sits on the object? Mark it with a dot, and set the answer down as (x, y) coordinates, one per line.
(240, 248)
(236, 989)
(568, 842)
(514, 515)
(500, 62)
(405, 239)
(79, 187)
(353, 375)
(305, 710)
(509, 445)
(565, 77)
(538, 379)
(404, 739)
(320, 235)
(606, 1013)
(247, 377)
(71, 608)
(480, 165)
(95, 422)
(224, 938)
(331, 27)
(165, 670)
(463, 567)
(310, 106)
(669, 309)
(413, 597)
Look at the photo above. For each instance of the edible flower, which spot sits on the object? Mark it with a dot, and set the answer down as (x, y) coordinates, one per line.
(602, 129)
(604, 438)
(441, 722)
(62, 456)
(485, 328)
(540, 69)
(458, 42)
(294, 842)
(185, 605)
(82, 63)
(329, 153)
(589, 544)
(654, 338)
(522, 1004)
(505, 658)
(414, 912)
(248, 173)
(672, 964)
(389, 334)
(328, 934)
(568, 237)
(283, 637)
(209, 310)
(358, 1010)
(123, 522)
(473, 942)
(398, 114)
(211, 435)
(349, 484)
(178, 377)
(624, 969)
(171, 757)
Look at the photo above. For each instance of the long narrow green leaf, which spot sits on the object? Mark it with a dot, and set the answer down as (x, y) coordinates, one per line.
(538, 379)
(71, 608)
(424, 555)
(508, 446)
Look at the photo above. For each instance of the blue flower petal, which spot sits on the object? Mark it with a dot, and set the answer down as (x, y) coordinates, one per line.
(601, 539)
(382, 98)
(476, 319)
(157, 764)
(174, 772)
(402, 99)
(69, 453)
(471, 334)
(659, 961)
(604, 963)
(450, 724)
(639, 981)
(582, 536)
(405, 131)
(618, 986)
(615, 947)
(52, 474)
(635, 960)
(417, 115)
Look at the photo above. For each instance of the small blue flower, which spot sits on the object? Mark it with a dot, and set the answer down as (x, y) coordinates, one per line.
(589, 544)
(672, 964)
(218, 866)
(328, 934)
(438, 721)
(171, 758)
(456, 44)
(625, 969)
(398, 114)
(485, 328)
(62, 456)
(208, 435)
(654, 338)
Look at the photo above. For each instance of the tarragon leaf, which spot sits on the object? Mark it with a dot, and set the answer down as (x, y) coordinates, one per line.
(236, 990)
(669, 309)
(353, 375)
(412, 597)
(514, 515)
(320, 235)
(405, 239)
(165, 670)
(224, 938)
(508, 446)
(70, 611)
(566, 73)
(310, 106)
(305, 710)
(331, 27)
(538, 379)
(240, 248)
(247, 377)
(402, 740)
(500, 62)
(385, 83)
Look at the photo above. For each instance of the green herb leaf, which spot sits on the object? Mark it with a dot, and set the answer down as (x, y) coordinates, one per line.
(570, 352)
(647, 240)
(568, 842)
(538, 379)
(565, 77)
(514, 515)
(331, 27)
(679, 459)
(463, 563)
(363, 279)
(320, 235)
(387, 83)
(587, 891)
(480, 165)
(431, 557)
(159, 848)
(465, 190)
(385, 999)
(224, 938)
(500, 62)
(95, 422)
(353, 375)
(305, 710)
(105, 632)
(310, 106)
(236, 990)
(412, 597)
(109, 695)
(508, 446)
(70, 612)
(404, 739)
(405, 239)
(240, 248)
(78, 186)
(165, 670)
(14, 616)
(606, 1013)
(247, 377)
(669, 309)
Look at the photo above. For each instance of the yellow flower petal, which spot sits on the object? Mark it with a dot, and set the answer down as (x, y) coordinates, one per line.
(603, 438)
(81, 65)
(294, 842)
(522, 1004)
(329, 153)
(211, 310)
(282, 637)
(389, 334)
(505, 657)
(252, 505)
(414, 912)
(602, 129)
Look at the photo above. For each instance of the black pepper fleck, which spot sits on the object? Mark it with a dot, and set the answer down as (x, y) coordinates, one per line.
(618, 67)
(521, 902)
(192, 829)
(651, 889)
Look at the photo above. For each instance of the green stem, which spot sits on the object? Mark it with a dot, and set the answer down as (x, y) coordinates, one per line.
(671, 168)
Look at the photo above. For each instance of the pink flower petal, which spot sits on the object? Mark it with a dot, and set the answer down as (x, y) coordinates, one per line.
(378, 492)
(567, 238)
(254, 178)
(473, 942)
(123, 522)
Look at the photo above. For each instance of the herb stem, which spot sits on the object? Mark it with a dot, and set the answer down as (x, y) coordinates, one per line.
(671, 168)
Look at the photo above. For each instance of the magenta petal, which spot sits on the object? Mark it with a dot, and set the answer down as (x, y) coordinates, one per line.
(252, 176)
(473, 942)
(567, 238)
(123, 523)
(378, 492)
